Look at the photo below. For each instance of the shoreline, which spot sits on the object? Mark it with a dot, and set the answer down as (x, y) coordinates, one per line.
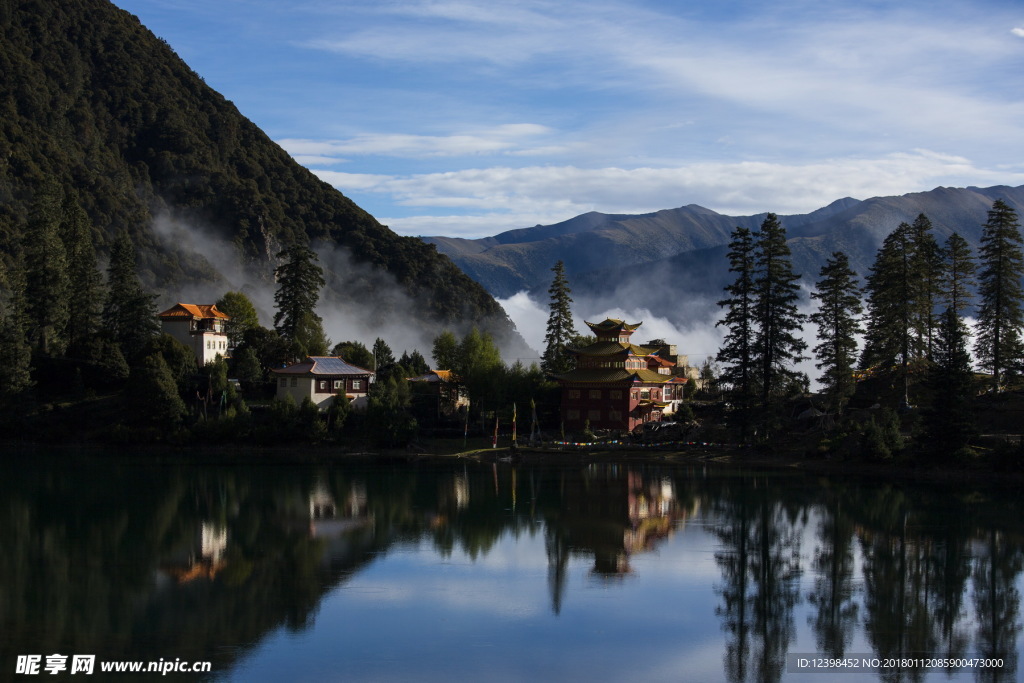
(722, 457)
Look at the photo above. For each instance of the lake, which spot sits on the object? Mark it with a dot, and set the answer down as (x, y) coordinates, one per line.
(386, 570)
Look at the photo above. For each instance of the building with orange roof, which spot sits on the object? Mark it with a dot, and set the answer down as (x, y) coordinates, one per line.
(617, 384)
(440, 389)
(199, 327)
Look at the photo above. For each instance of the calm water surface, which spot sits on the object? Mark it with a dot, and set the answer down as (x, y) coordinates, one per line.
(378, 570)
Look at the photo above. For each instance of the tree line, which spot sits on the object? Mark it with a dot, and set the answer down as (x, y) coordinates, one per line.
(910, 312)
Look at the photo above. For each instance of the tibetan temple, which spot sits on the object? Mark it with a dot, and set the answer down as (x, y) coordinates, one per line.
(617, 384)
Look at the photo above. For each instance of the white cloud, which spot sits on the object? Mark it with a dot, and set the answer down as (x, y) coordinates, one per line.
(1019, 32)
(505, 138)
(505, 197)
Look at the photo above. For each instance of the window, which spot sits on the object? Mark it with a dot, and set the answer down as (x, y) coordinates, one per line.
(295, 381)
(645, 394)
(323, 385)
(574, 393)
(357, 385)
(284, 381)
(594, 415)
(614, 415)
(337, 384)
(614, 393)
(595, 393)
(572, 415)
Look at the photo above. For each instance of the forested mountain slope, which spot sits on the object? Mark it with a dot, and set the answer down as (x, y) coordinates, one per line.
(91, 99)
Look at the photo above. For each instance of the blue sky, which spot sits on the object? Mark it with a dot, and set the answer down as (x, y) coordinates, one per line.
(470, 117)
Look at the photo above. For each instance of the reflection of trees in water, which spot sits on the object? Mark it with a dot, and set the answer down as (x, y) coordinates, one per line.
(835, 616)
(760, 562)
(104, 556)
(997, 606)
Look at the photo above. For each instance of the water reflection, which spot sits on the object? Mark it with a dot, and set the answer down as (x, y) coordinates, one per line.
(135, 560)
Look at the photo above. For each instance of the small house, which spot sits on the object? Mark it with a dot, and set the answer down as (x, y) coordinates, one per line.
(321, 378)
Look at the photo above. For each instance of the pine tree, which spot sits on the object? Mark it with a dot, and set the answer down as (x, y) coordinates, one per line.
(46, 274)
(958, 275)
(129, 313)
(299, 281)
(1000, 314)
(926, 279)
(777, 322)
(84, 297)
(15, 353)
(949, 423)
(889, 340)
(737, 348)
(837, 319)
(556, 358)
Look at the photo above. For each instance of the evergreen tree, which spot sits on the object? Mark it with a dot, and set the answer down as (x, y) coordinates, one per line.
(15, 352)
(414, 363)
(247, 365)
(243, 315)
(446, 351)
(737, 352)
(837, 319)
(926, 280)
(129, 315)
(46, 274)
(299, 281)
(889, 339)
(556, 358)
(949, 423)
(1000, 314)
(383, 359)
(778, 323)
(958, 274)
(84, 294)
(152, 394)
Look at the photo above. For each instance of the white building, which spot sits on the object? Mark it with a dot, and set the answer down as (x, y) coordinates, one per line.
(321, 378)
(200, 327)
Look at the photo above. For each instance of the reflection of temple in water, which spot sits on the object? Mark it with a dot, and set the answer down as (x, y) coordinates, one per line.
(612, 513)
(204, 558)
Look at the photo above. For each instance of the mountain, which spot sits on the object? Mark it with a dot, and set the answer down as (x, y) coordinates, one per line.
(92, 101)
(647, 261)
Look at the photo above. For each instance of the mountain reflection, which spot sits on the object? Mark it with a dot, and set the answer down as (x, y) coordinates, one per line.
(137, 560)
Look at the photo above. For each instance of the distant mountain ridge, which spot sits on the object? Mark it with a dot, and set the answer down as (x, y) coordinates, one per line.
(92, 101)
(609, 258)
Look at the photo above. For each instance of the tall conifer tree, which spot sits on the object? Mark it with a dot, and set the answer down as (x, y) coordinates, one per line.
(46, 274)
(737, 353)
(1001, 312)
(889, 340)
(837, 316)
(85, 298)
(926, 279)
(777, 344)
(958, 274)
(15, 353)
(129, 313)
(556, 358)
(949, 422)
(299, 281)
